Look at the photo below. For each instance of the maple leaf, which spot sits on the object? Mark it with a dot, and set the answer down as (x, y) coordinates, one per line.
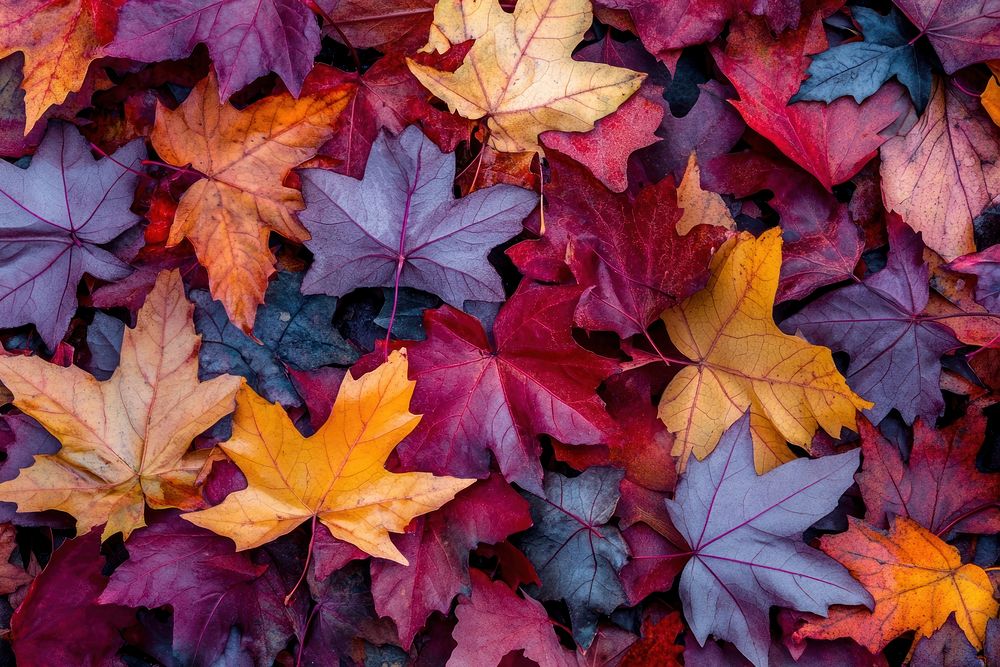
(710, 129)
(990, 97)
(626, 251)
(895, 350)
(986, 267)
(832, 142)
(387, 25)
(59, 41)
(479, 397)
(125, 440)
(605, 150)
(666, 27)
(700, 206)
(54, 217)
(246, 38)
(210, 589)
(402, 226)
(944, 171)
(577, 555)
(745, 538)
(244, 155)
(389, 98)
(963, 32)
(821, 243)
(939, 486)
(60, 621)
(493, 621)
(917, 581)
(437, 548)
(743, 360)
(291, 332)
(520, 73)
(860, 68)
(335, 476)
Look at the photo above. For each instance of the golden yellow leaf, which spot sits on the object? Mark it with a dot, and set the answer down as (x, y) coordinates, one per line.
(991, 96)
(58, 41)
(125, 440)
(742, 360)
(244, 155)
(700, 206)
(520, 72)
(917, 580)
(336, 475)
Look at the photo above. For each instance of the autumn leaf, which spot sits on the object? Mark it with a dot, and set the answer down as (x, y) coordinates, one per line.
(917, 581)
(831, 141)
(336, 476)
(402, 226)
(59, 41)
(742, 360)
(962, 33)
(700, 206)
(57, 220)
(944, 171)
(124, 441)
(745, 536)
(246, 38)
(520, 73)
(895, 348)
(244, 156)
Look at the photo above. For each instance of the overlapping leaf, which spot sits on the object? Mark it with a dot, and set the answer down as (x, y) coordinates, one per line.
(125, 440)
(742, 360)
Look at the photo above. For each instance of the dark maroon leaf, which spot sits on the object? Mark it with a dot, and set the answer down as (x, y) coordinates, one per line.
(437, 547)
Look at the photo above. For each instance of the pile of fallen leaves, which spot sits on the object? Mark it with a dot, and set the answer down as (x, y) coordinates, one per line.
(394, 332)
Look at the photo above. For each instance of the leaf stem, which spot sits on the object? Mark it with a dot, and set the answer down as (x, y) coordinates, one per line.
(305, 567)
(305, 633)
(965, 515)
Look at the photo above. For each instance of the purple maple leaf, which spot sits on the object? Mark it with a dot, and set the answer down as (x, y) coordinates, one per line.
(895, 350)
(402, 226)
(246, 38)
(54, 216)
(745, 537)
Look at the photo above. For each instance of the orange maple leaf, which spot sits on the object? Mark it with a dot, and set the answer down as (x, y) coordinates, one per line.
(59, 41)
(244, 156)
(917, 581)
(336, 476)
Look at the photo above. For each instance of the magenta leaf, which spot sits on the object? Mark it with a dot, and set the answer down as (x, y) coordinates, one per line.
(478, 398)
(437, 546)
(54, 217)
(246, 38)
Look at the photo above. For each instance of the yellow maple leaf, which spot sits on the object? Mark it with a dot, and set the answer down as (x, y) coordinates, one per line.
(58, 41)
(520, 72)
(244, 155)
(336, 476)
(743, 360)
(991, 96)
(917, 580)
(125, 440)
(700, 206)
